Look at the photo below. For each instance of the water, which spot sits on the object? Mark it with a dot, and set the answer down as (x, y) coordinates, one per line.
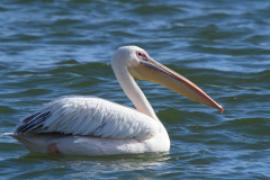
(53, 48)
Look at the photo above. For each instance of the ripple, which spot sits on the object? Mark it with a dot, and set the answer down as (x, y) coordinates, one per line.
(29, 93)
(83, 69)
(3, 66)
(25, 37)
(66, 21)
(69, 61)
(249, 126)
(207, 18)
(77, 41)
(258, 39)
(156, 9)
(173, 116)
(6, 110)
(3, 9)
(213, 32)
(61, 34)
(8, 147)
(53, 172)
(231, 51)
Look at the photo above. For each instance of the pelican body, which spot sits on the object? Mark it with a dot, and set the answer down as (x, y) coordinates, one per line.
(92, 126)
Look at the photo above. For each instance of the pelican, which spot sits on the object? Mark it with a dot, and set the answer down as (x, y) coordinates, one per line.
(76, 125)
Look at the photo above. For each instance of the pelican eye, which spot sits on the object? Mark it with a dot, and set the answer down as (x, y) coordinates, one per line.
(142, 55)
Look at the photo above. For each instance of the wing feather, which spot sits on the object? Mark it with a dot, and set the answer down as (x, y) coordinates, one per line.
(89, 116)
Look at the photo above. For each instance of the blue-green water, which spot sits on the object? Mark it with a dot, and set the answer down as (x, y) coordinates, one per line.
(52, 48)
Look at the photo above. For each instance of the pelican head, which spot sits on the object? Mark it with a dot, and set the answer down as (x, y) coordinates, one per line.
(143, 67)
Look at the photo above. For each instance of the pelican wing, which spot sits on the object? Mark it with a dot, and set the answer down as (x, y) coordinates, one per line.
(89, 116)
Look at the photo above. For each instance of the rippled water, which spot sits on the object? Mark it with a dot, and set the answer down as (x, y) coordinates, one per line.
(52, 48)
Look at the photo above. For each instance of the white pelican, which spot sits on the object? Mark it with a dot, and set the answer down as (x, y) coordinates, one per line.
(92, 126)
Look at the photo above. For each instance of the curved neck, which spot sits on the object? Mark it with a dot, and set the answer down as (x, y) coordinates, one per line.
(133, 91)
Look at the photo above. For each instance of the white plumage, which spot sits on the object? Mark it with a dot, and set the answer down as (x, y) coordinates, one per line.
(90, 116)
(93, 126)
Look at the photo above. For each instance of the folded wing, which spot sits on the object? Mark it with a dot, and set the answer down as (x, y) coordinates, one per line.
(89, 116)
